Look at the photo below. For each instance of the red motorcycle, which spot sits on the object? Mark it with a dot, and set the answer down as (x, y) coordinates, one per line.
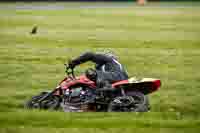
(80, 94)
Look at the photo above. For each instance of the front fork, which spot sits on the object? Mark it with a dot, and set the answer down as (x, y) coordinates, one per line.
(56, 91)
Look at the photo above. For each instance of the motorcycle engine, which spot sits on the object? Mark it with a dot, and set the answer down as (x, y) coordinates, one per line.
(79, 99)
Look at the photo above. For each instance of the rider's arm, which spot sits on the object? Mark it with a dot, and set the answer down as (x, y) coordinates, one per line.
(89, 56)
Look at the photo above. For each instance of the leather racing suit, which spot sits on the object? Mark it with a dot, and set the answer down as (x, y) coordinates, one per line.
(107, 68)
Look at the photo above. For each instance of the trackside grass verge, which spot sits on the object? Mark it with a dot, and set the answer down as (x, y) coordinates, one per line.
(152, 41)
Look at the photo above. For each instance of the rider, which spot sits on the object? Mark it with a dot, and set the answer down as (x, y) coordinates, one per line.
(107, 70)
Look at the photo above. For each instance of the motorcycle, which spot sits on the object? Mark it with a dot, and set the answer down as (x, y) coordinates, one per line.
(80, 94)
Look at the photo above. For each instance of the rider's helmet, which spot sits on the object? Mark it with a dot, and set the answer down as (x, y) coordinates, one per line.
(91, 74)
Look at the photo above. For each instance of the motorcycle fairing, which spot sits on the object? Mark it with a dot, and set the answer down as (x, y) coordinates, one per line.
(67, 83)
(145, 85)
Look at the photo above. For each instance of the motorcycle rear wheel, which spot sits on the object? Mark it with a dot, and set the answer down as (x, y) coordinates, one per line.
(132, 102)
(50, 103)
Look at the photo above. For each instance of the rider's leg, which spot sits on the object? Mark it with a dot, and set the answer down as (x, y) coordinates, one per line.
(104, 80)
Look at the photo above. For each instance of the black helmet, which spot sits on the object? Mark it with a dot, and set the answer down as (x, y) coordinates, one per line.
(91, 74)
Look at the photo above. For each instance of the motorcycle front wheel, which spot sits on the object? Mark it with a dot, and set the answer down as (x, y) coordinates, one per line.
(49, 103)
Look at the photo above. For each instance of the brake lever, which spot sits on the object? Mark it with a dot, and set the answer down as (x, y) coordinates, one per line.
(72, 72)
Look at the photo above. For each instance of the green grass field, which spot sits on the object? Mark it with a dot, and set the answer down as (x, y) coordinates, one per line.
(151, 41)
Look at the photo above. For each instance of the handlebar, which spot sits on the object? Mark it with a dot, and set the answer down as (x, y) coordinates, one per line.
(70, 72)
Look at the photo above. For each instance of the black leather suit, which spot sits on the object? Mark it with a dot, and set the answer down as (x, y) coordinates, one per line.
(107, 68)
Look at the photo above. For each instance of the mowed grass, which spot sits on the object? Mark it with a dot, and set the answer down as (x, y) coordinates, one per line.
(151, 41)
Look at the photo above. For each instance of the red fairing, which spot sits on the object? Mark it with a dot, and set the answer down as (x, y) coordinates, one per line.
(146, 86)
(66, 83)
(120, 83)
(156, 84)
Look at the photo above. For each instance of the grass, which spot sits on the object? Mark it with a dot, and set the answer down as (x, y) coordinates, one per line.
(151, 42)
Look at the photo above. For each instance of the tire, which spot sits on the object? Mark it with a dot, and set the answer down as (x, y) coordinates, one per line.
(132, 102)
(50, 103)
(143, 106)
